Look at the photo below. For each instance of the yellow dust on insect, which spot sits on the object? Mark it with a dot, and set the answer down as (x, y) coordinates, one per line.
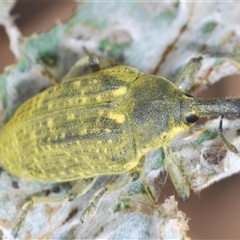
(120, 91)
(119, 118)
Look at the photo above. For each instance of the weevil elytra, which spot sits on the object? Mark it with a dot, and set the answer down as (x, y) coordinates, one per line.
(103, 124)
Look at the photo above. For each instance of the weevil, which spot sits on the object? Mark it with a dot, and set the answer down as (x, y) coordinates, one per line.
(103, 123)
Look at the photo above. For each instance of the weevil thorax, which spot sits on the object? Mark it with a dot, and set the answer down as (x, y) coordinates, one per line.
(154, 106)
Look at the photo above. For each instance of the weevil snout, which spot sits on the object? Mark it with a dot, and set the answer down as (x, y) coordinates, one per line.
(194, 108)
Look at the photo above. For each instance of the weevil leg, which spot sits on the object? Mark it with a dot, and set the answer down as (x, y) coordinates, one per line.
(149, 193)
(47, 75)
(93, 204)
(185, 80)
(112, 185)
(91, 62)
(78, 189)
(18, 221)
(176, 174)
(228, 145)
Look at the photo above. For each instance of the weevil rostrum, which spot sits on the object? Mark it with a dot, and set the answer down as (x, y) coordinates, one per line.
(103, 123)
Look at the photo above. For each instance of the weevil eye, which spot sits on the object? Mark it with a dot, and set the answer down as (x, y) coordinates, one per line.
(191, 118)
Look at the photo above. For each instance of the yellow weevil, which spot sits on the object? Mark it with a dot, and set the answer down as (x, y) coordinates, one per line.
(103, 123)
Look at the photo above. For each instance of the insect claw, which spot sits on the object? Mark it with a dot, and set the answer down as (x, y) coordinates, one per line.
(82, 217)
(16, 227)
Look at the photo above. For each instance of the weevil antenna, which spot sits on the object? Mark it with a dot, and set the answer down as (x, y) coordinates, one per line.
(228, 145)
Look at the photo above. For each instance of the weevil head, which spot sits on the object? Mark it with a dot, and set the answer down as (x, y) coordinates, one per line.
(157, 111)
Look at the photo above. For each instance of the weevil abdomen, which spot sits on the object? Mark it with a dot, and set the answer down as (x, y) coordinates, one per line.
(70, 145)
(72, 130)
